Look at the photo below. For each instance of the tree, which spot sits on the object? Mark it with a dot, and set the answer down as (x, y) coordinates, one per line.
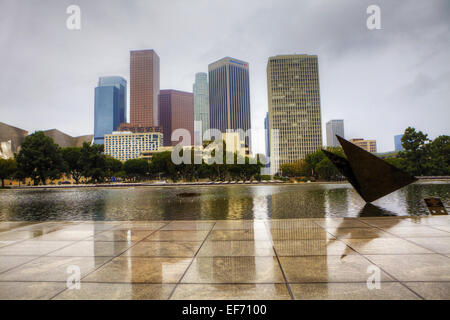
(40, 158)
(7, 169)
(415, 151)
(72, 163)
(298, 168)
(112, 167)
(438, 157)
(135, 168)
(93, 162)
(313, 159)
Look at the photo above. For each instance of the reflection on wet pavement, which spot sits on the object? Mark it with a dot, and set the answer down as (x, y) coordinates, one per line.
(316, 258)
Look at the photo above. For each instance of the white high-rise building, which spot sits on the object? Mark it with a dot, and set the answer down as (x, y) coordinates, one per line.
(201, 106)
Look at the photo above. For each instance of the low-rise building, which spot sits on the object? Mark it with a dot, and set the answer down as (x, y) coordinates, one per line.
(368, 145)
(125, 145)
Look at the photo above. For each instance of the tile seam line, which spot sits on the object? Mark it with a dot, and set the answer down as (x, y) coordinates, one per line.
(404, 285)
(190, 263)
(70, 242)
(107, 261)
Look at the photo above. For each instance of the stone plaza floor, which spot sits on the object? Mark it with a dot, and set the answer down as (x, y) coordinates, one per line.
(232, 259)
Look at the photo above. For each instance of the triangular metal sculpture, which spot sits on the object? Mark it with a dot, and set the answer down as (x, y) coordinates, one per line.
(371, 177)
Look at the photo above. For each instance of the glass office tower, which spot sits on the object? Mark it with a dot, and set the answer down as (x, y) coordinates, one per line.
(229, 96)
(201, 106)
(110, 106)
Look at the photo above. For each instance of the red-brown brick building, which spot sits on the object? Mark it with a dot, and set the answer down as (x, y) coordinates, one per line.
(176, 110)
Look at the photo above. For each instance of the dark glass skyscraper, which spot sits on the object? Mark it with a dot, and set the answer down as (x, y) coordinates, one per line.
(229, 96)
(110, 106)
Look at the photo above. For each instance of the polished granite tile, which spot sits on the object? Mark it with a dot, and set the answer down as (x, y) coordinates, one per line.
(121, 235)
(443, 228)
(419, 231)
(93, 226)
(351, 291)
(33, 247)
(275, 291)
(141, 270)
(359, 233)
(384, 246)
(299, 233)
(239, 224)
(177, 235)
(236, 248)
(30, 290)
(8, 262)
(387, 223)
(311, 248)
(19, 235)
(11, 225)
(439, 245)
(351, 268)
(6, 243)
(291, 223)
(433, 220)
(117, 291)
(52, 268)
(189, 225)
(422, 267)
(340, 223)
(164, 249)
(66, 235)
(431, 290)
(141, 225)
(93, 249)
(234, 270)
(243, 234)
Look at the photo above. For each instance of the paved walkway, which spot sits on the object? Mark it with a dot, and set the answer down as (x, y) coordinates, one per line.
(273, 259)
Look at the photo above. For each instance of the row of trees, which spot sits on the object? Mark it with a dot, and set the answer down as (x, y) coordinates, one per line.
(40, 159)
(420, 157)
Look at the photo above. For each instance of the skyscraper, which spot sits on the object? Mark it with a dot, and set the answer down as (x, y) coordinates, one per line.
(368, 145)
(229, 96)
(109, 106)
(201, 105)
(144, 88)
(176, 111)
(334, 127)
(398, 142)
(294, 107)
(266, 134)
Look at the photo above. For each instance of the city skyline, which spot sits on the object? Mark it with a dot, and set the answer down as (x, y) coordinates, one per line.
(367, 77)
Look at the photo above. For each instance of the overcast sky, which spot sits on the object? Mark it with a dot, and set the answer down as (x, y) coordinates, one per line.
(378, 81)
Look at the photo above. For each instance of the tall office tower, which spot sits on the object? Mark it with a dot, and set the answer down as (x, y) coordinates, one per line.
(109, 106)
(201, 106)
(176, 109)
(229, 96)
(334, 127)
(294, 107)
(398, 142)
(144, 88)
(266, 133)
(121, 84)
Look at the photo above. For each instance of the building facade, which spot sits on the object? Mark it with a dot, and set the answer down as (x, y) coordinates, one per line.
(124, 145)
(229, 96)
(121, 84)
(201, 107)
(294, 107)
(176, 110)
(144, 87)
(138, 129)
(266, 135)
(109, 106)
(334, 127)
(368, 145)
(398, 142)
